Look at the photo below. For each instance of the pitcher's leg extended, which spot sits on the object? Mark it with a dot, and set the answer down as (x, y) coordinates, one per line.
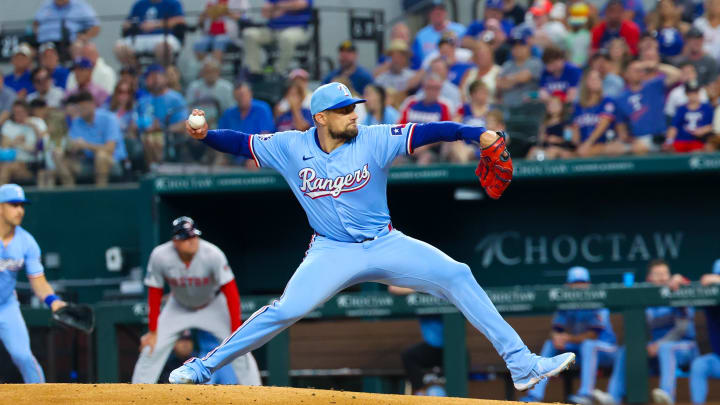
(408, 262)
(328, 268)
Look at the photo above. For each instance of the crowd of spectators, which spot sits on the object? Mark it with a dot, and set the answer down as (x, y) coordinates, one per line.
(588, 78)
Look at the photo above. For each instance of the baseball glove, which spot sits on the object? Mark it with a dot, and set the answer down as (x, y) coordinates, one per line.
(495, 169)
(78, 316)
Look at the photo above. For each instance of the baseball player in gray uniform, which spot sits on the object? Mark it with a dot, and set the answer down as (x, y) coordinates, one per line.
(197, 271)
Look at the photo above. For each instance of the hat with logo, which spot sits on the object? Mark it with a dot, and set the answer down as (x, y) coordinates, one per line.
(579, 14)
(24, 49)
(184, 228)
(694, 32)
(519, 35)
(494, 4)
(45, 46)
(448, 37)
(397, 45)
(331, 96)
(578, 274)
(12, 193)
(82, 63)
(154, 68)
(692, 86)
(347, 46)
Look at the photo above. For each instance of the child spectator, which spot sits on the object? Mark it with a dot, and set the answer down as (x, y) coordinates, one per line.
(378, 111)
(552, 142)
(473, 113)
(592, 122)
(692, 123)
(677, 96)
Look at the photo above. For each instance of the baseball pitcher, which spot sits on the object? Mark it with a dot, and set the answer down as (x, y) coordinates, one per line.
(196, 271)
(338, 172)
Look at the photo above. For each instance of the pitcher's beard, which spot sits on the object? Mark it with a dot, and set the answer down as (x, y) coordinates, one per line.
(346, 135)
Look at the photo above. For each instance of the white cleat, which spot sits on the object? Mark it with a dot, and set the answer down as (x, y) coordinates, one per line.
(603, 398)
(659, 396)
(546, 367)
(182, 375)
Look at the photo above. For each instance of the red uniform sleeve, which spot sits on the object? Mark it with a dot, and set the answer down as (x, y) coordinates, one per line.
(233, 302)
(154, 299)
(403, 116)
(445, 116)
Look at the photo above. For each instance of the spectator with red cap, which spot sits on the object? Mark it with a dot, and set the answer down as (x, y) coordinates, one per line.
(615, 25)
(559, 78)
(548, 28)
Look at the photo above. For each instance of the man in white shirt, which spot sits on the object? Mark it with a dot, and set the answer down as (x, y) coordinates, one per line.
(211, 86)
(102, 75)
(45, 89)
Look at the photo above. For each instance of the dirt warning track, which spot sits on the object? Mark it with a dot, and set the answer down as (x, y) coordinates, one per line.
(156, 394)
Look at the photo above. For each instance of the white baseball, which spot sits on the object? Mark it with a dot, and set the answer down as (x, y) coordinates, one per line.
(196, 121)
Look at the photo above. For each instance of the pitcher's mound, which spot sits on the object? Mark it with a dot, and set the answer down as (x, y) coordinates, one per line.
(156, 394)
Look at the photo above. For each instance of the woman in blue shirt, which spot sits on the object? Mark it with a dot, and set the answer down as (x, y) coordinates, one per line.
(592, 121)
(378, 112)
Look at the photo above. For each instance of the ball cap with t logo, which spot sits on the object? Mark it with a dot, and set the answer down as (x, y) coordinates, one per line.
(12, 193)
(331, 96)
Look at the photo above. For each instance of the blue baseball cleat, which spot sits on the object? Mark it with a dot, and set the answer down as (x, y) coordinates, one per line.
(192, 372)
(546, 367)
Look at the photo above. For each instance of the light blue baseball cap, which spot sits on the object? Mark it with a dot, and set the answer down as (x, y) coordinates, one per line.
(12, 193)
(331, 96)
(578, 274)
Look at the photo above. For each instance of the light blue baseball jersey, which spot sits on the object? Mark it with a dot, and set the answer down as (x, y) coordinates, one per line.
(343, 192)
(661, 320)
(22, 252)
(582, 320)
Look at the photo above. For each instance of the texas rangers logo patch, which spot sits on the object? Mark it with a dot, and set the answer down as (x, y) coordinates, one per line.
(316, 187)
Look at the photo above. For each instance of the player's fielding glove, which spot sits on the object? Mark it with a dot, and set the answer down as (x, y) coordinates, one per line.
(78, 316)
(495, 169)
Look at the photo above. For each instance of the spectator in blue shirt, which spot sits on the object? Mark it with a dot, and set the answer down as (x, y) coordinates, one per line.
(297, 116)
(348, 68)
(378, 110)
(478, 30)
(150, 28)
(50, 60)
(640, 107)
(96, 143)
(20, 79)
(428, 37)
(250, 116)
(692, 124)
(287, 24)
(75, 17)
(163, 110)
(560, 78)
